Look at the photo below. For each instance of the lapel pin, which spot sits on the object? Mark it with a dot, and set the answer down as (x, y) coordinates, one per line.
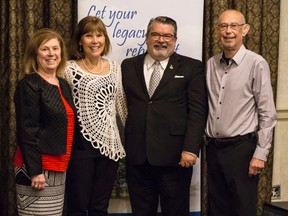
(171, 67)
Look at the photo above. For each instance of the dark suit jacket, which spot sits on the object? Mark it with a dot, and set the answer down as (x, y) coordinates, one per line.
(41, 119)
(173, 120)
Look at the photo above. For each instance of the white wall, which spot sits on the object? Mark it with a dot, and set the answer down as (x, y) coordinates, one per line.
(280, 166)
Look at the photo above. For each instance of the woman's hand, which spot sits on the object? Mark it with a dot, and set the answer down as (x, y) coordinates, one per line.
(38, 182)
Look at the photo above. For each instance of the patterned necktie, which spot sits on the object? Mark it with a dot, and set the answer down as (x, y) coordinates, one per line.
(155, 78)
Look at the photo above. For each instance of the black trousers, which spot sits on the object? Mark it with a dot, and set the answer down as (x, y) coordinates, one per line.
(231, 191)
(89, 186)
(148, 184)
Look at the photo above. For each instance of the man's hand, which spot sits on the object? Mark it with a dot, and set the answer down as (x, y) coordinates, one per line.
(256, 165)
(187, 160)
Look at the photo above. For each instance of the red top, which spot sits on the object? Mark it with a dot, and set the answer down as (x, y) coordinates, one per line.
(57, 163)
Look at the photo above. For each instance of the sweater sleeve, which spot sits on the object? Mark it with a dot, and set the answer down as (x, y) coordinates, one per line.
(121, 105)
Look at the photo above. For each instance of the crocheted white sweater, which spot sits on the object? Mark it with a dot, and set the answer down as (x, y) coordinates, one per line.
(98, 99)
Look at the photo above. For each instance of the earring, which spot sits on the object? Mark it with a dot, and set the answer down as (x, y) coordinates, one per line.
(81, 48)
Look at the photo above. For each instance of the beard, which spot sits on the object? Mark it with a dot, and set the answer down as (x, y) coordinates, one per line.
(163, 52)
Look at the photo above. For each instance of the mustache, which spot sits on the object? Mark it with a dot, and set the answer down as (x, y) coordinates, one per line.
(160, 45)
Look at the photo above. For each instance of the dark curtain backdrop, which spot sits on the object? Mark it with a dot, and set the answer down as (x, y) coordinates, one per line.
(19, 20)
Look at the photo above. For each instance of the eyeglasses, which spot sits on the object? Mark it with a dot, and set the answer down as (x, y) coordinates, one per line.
(233, 26)
(157, 36)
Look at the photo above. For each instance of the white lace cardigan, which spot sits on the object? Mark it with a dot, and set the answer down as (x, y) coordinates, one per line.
(97, 99)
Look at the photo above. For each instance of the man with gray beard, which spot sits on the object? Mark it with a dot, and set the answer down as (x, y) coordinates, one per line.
(167, 111)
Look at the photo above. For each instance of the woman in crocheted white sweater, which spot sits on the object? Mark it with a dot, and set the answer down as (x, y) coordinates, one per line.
(96, 85)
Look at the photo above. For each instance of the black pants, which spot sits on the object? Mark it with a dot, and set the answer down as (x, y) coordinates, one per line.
(231, 191)
(89, 186)
(147, 184)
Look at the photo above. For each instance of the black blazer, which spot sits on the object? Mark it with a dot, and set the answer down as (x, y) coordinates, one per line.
(41, 119)
(173, 120)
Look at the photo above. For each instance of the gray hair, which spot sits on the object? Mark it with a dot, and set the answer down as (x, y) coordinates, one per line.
(164, 20)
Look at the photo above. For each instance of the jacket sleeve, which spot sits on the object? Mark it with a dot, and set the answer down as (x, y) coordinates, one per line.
(197, 110)
(27, 107)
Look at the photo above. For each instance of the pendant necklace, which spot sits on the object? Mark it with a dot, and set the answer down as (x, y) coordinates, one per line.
(99, 72)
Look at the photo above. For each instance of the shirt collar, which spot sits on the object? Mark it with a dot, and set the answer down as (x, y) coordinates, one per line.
(237, 58)
(239, 55)
(150, 61)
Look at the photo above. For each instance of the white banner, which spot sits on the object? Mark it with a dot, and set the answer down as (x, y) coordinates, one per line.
(126, 22)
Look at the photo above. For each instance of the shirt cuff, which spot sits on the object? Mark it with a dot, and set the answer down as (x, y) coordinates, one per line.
(261, 153)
